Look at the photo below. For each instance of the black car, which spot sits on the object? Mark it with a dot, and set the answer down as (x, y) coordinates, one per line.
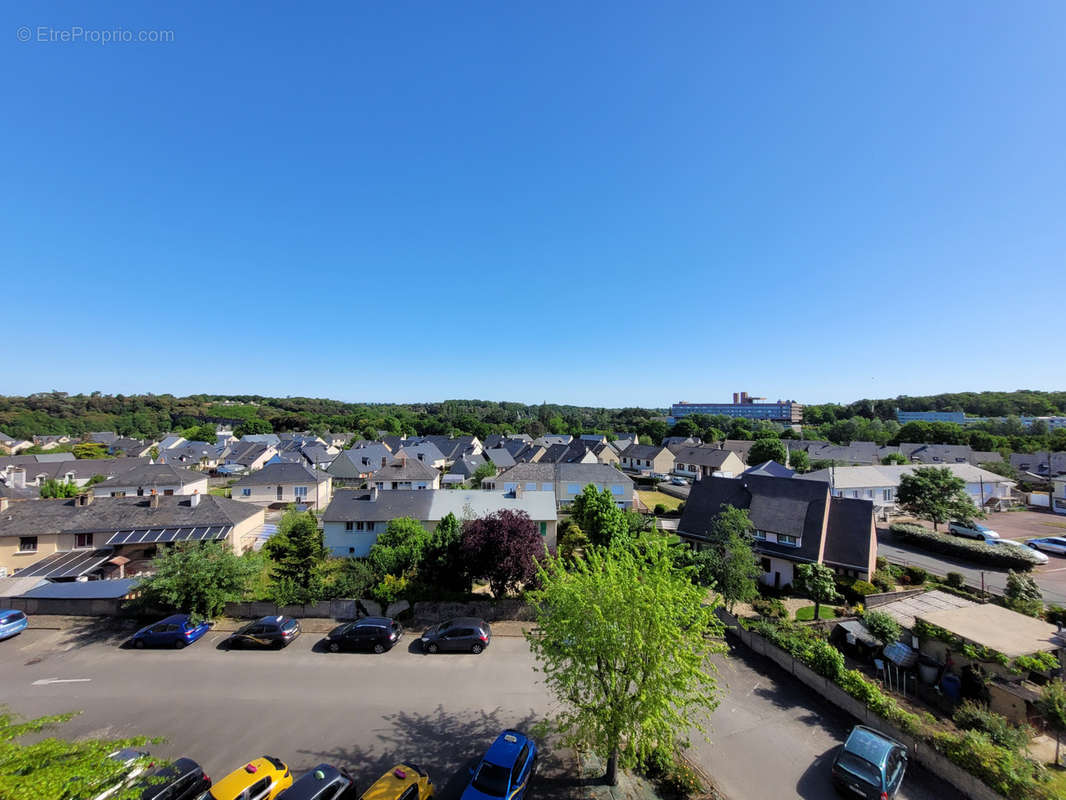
(266, 632)
(324, 782)
(369, 633)
(462, 634)
(182, 780)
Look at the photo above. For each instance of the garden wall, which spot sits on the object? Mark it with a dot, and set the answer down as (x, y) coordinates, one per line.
(920, 752)
(424, 612)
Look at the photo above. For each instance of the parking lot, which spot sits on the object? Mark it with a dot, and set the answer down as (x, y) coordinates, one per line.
(366, 712)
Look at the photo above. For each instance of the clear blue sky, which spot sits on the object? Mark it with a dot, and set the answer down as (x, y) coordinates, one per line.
(606, 204)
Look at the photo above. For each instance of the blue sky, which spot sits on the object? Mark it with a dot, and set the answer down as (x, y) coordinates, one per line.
(606, 204)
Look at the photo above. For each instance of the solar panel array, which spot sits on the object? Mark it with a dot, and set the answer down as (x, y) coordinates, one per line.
(66, 565)
(149, 536)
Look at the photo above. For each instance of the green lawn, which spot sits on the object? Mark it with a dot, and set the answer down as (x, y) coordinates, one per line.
(219, 491)
(806, 614)
(1058, 780)
(654, 497)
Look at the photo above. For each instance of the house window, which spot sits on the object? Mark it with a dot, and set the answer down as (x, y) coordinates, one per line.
(886, 494)
(784, 538)
(118, 494)
(616, 488)
(299, 491)
(760, 535)
(83, 540)
(27, 544)
(531, 487)
(351, 551)
(168, 492)
(869, 492)
(359, 526)
(573, 488)
(348, 526)
(548, 487)
(246, 492)
(766, 565)
(544, 529)
(370, 526)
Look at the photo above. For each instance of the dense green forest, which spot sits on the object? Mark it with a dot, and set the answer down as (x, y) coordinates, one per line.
(149, 416)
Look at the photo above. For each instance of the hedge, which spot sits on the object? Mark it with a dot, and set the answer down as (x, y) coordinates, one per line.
(967, 549)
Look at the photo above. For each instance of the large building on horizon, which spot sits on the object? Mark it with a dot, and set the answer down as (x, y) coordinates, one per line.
(787, 411)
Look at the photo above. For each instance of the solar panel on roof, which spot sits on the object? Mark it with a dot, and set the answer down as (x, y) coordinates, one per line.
(69, 564)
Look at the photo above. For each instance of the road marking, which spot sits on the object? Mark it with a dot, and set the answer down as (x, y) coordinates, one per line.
(46, 681)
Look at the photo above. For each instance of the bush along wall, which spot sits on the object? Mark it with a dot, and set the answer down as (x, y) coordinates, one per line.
(967, 549)
(1005, 770)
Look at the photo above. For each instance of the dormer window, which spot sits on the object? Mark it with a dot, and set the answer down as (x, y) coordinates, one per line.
(784, 538)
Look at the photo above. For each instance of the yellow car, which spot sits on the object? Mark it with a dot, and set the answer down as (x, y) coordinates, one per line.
(402, 782)
(261, 779)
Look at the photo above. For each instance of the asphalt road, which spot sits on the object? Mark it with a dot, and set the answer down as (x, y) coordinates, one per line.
(770, 737)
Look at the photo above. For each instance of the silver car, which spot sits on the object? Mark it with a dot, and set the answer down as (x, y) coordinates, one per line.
(1050, 544)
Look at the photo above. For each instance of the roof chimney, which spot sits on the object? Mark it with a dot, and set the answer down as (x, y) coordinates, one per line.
(194, 499)
(85, 499)
(373, 494)
(18, 478)
(736, 398)
(3, 504)
(153, 501)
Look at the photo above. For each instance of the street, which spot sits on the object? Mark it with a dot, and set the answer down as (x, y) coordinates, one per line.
(367, 712)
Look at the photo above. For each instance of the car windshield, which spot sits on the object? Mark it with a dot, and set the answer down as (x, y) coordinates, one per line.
(860, 767)
(288, 626)
(10, 618)
(492, 779)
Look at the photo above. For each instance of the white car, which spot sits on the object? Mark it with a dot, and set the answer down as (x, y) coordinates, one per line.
(973, 530)
(1052, 544)
(1040, 557)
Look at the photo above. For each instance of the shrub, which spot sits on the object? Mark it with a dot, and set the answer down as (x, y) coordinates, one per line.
(1004, 770)
(956, 580)
(825, 659)
(882, 562)
(917, 575)
(1056, 615)
(883, 581)
(882, 626)
(660, 510)
(390, 589)
(769, 607)
(1013, 557)
(863, 588)
(976, 717)
(1023, 595)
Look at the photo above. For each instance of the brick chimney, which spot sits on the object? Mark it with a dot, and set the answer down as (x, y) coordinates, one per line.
(85, 499)
(153, 501)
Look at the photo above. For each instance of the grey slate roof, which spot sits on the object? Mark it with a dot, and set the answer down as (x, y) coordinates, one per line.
(280, 473)
(405, 469)
(430, 452)
(847, 541)
(643, 451)
(466, 466)
(121, 513)
(771, 469)
(539, 472)
(936, 453)
(354, 505)
(501, 457)
(149, 475)
(1037, 464)
(712, 457)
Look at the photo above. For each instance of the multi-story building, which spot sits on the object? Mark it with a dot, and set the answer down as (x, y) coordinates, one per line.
(903, 417)
(742, 406)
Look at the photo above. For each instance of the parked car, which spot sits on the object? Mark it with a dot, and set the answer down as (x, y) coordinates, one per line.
(261, 779)
(1040, 557)
(972, 530)
(1049, 544)
(324, 782)
(506, 769)
(870, 764)
(678, 481)
(135, 763)
(266, 632)
(376, 634)
(403, 782)
(176, 631)
(12, 623)
(182, 780)
(462, 634)
(659, 476)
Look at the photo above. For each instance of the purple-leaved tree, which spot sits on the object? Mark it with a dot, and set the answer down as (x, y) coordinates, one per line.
(502, 548)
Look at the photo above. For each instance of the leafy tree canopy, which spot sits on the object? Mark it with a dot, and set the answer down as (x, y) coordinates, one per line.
(199, 578)
(598, 515)
(503, 549)
(399, 550)
(298, 555)
(937, 495)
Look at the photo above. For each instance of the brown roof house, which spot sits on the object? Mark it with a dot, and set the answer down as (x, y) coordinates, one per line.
(705, 462)
(796, 522)
(646, 458)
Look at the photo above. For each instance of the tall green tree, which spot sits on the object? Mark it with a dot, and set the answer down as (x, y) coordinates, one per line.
(52, 489)
(598, 515)
(57, 769)
(253, 426)
(730, 563)
(200, 433)
(1022, 594)
(894, 458)
(623, 640)
(199, 578)
(799, 460)
(819, 583)
(486, 470)
(298, 555)
(937, 495)
(90, 450)
(443, 565)
(767, 449)
(400, 548)
(1052, 704)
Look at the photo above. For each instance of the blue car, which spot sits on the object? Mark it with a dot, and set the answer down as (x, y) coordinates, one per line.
(870, 764)
(176, 631)
(12, 622)
(506, 770)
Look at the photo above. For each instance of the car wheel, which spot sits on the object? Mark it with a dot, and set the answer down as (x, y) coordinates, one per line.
(379, 649)
(179, 644)
(477, 648)
(138, 643)
(334, 647)
(432, 647)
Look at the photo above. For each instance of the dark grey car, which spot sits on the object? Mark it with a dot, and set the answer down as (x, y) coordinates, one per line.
(870, 764)
(461, 635)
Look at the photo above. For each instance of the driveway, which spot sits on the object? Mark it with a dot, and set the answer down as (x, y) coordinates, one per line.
(771, 737)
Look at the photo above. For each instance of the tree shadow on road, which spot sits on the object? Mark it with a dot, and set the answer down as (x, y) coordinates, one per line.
(105, 631)
(447, 746)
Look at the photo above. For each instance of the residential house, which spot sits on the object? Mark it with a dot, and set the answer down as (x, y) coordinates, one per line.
(102, 437)
(566, 480)
(269, 439)
(426, 452)
(1037, 463)
(531, 454)
(355, 517)
(796, 522)
(501, 457)
(880, 484)
(284, 483)
(338, 440)
(548, 439)
(646, 458)
(64, 468)
(607, 453)
(463, 469)
(167, 442)
(405, 473)
(133, 448)
(577, 452)
(11, 445)
(147, 479)
(703, 462)
(739, 446)
(192, 455)
(91, 536)
(770, 468)
(495, 440)
(979, 457)
(245, 456)
(1058, 495)
(356, 465)
(319, 456)
(50, 441)
(675, 442)
(936, 454)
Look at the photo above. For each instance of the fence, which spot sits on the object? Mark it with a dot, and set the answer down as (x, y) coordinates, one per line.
(920, 752)
(428, 612)
(72, 607)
